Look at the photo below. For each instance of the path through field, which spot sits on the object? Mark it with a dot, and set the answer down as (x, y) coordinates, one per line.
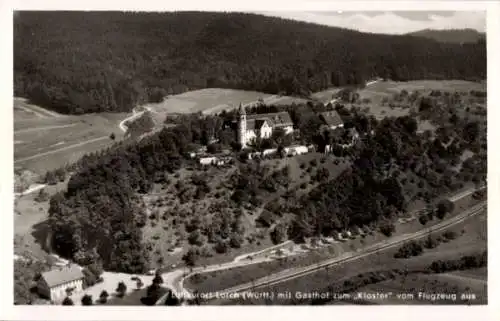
(60, 149)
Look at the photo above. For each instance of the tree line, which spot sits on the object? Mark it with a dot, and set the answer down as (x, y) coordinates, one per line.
(113, 61)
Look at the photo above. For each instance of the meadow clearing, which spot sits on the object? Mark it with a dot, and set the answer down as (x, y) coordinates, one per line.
(215, 100)
(377, 92)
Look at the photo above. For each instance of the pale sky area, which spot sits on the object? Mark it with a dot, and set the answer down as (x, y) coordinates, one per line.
(391, 22)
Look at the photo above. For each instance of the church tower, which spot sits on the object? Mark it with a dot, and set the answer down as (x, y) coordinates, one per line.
(242, 126)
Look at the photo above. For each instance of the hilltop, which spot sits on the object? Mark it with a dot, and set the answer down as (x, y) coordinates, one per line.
(114, 61)
(457, 36)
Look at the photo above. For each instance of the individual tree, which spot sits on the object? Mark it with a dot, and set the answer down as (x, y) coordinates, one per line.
(139, 283)
(387, 228)
(171, 299)
(67, 301)
(235, 240)
(444, 207)
(104, 296)
(50, 178)
(87, 300)
(112, 136)
(121, 289)
(190, 257)
(42, 196)
(279, 233)
(158, 279)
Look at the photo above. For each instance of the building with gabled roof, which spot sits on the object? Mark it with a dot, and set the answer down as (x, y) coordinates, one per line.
(261, 125)
(332, 119)
(54, 283)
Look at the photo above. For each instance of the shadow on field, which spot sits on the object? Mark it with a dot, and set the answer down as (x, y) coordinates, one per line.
(41, 233)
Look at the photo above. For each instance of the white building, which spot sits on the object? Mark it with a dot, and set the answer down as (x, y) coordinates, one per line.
(55, 283)
(261, 125)
(296, 150)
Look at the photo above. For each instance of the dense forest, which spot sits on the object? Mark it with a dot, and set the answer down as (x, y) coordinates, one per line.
(82, 62)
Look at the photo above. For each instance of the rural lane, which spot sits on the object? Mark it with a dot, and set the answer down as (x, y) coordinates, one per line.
(20, 160)
(135, 114)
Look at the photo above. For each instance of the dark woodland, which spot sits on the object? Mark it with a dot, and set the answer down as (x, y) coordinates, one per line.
(84, 62)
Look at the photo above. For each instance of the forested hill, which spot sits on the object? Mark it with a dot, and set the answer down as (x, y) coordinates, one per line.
(79, 62)
(451, 36)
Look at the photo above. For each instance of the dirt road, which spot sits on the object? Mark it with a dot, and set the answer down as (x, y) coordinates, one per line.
(60, 149)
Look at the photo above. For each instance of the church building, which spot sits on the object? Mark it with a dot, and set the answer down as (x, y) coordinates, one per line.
(261, 125)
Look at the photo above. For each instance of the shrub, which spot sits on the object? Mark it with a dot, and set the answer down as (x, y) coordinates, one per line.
(235, 241)
(89, 278)
(430, 242)
(42, 196)
(450, 235)
(409, 249)
(387, 228)
(157, 279)
(87, 300)
(221, 247)
(279, 233)
(423, 219)
(104, 296)
(190, 257)
(444, 207)
(67, 301)
(121, 289)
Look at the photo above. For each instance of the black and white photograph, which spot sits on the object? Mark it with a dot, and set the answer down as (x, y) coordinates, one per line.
(249, 158)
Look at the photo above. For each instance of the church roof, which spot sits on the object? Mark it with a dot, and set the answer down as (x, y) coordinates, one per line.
(253, 124)
(275, 119)
(331, 118)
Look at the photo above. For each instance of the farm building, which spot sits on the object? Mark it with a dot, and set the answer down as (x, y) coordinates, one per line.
(296, 150)
(332, 119)
(213, 160)
(261, 125)
(55, 283)
(265, 152)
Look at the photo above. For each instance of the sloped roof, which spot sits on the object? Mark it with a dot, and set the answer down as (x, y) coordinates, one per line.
(331, 118)
(63, 275)
(275, 119)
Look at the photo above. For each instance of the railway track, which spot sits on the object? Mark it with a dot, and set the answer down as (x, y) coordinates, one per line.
(296, 273)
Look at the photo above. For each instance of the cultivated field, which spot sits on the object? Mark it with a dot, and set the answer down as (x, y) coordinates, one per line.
(44, 140)
(215, 100)
(379, 91)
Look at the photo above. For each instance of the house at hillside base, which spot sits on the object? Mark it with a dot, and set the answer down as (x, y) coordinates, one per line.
(54, 283)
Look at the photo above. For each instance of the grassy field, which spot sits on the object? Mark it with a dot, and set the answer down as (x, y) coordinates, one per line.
(405, 290)
(215, 100)
(44, 140)
(386, 89)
